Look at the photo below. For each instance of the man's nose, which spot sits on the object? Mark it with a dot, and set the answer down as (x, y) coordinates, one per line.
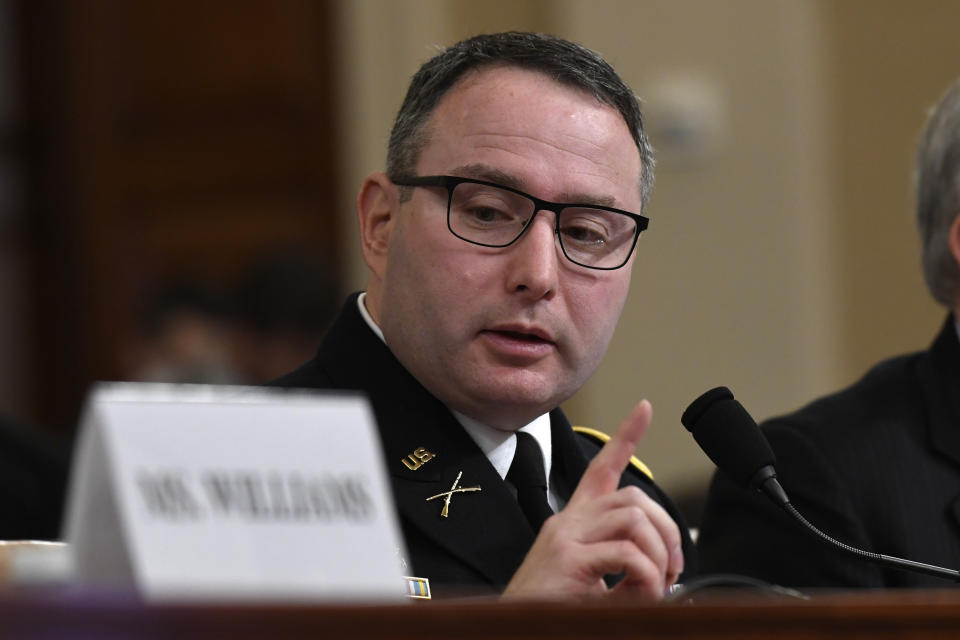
(534, 259)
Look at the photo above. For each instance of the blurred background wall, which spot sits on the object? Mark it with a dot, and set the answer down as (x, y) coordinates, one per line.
(165, 167)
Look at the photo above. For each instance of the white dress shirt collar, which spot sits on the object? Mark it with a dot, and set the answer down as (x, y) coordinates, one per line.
(499, 446)
(362, 305)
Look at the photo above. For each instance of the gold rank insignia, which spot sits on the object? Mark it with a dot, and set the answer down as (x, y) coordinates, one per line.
(416, 459)
(447, 495)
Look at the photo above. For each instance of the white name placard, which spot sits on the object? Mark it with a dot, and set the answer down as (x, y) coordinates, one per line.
(193, 491)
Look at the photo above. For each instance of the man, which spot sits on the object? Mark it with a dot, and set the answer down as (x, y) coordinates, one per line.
(487, 307)
(877, 465)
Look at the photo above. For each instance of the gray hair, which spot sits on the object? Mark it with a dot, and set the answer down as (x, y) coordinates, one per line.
(563, 61)
(938, 195)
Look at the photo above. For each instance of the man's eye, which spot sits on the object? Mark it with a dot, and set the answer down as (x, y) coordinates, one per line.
(485, 215)
(585, 234)
(488, 214)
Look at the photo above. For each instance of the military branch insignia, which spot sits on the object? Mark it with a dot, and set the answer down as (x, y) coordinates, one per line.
(447, 495)
(417, 459)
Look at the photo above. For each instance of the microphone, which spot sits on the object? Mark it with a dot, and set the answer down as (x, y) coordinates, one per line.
(734, 442)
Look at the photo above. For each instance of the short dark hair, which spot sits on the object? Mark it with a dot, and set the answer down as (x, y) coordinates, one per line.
(938, 195)
(563, 61)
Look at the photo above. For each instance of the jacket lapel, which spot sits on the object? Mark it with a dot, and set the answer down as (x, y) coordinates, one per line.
(485, 529)
(940, 380)
(569, 460)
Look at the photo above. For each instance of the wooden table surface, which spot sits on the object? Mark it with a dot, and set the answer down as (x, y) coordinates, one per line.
(60, 613)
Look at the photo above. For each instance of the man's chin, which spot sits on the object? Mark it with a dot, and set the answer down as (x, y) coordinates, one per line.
(510, 409)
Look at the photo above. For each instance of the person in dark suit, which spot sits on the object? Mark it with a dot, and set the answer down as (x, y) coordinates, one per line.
(877, 465)
(33, 480)
(487, 305)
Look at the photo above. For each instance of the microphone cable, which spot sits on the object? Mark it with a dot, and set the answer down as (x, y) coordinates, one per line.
(731, 438)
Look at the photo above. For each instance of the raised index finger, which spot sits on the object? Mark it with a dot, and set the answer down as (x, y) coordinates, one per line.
(603, 474)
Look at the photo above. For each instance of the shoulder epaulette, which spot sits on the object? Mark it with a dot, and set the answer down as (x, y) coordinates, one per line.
(601, 438)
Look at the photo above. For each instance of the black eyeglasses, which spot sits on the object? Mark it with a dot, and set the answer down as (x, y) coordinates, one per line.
(492, 215)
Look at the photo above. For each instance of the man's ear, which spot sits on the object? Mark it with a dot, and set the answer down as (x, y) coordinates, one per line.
(377, 208)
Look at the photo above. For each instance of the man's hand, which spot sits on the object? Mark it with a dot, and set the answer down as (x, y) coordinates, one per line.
(604, 530)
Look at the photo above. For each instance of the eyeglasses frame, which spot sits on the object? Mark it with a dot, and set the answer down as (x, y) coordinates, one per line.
(451, 182)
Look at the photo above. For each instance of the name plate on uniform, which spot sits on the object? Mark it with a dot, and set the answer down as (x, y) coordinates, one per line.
(193, 491)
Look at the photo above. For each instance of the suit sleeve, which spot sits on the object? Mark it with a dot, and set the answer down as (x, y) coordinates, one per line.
(745, 533)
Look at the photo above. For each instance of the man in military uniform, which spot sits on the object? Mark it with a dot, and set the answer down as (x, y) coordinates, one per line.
(499, 244)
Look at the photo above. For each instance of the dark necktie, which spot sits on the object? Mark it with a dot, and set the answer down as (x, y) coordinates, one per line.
(527, 475)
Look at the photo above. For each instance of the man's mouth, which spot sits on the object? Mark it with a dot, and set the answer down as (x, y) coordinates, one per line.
(519, 345)
(522, 331)
(522, 336)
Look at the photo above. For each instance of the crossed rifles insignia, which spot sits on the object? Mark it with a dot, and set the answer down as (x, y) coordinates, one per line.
(447, 495)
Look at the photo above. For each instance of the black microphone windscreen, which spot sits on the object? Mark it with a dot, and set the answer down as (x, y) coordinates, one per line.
(728, 435)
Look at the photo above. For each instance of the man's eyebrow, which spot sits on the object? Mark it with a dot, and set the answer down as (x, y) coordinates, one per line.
(581, 198)
(490, 174)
